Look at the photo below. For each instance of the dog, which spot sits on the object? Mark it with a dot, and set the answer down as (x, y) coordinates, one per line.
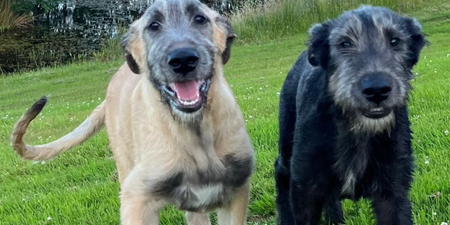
(175, 130)
(343, 119)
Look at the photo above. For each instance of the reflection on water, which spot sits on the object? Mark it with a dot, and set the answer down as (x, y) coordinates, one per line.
(74, 29)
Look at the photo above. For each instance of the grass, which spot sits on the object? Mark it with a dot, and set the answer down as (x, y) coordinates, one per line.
(80, 186)
(284, 18)
(9, 19)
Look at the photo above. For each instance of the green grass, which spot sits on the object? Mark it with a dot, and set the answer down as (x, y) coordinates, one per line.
(80, 186)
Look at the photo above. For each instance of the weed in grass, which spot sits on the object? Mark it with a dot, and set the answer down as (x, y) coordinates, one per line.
(9, 19)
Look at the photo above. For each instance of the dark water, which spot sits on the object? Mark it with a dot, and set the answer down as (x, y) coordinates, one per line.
(74, 29)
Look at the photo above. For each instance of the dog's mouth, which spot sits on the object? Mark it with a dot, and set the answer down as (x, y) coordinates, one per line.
(376, 113)
(187, 96)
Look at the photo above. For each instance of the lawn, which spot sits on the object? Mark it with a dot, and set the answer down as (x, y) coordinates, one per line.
(81, 187)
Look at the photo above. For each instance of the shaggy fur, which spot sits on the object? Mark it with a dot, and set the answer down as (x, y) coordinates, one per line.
(336, 141)
(199, 159)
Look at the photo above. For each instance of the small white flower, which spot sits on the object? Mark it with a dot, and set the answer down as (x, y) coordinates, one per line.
(260, 88)
(434, 213)
(101, 98)
(49, 218)
(444, 223)
(250, 117)
(446, 132)
(426, 160)
(258, 99)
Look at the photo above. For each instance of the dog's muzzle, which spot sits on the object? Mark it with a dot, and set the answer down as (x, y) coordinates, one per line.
(376, 88)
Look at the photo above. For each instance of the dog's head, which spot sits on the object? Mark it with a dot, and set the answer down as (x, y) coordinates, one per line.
(368, 54)
(178, 45)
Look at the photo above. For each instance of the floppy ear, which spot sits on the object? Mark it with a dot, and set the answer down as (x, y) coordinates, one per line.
(318, 45)
(230, 38)
(228, 31)
(132, 45)
(417, 41)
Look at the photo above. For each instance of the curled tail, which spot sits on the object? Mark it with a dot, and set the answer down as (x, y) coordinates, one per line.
(47, 151)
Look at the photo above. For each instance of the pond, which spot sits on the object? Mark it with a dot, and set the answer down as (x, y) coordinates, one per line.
(74, 29)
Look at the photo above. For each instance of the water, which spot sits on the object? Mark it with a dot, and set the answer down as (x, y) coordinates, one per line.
(74, 29)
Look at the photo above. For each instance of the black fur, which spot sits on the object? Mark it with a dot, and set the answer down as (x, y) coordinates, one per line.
(237, 172)
(317, 148)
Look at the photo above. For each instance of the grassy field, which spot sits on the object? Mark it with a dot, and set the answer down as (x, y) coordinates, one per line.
(80, 187)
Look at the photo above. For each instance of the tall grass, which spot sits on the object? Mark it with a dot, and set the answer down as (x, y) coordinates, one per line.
(280, 18)
(9, 19)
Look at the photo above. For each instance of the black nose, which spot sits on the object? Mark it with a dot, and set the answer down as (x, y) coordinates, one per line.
(376, 88)
(183, 60)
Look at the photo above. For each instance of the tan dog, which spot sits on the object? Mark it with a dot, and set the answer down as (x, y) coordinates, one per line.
(176, 132)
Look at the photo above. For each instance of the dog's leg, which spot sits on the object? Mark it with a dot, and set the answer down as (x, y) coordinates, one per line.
(283, 179)
(392, 208)
(307, 202)
(138, 207)
(333, 209)
(197, 218)
(235, 213)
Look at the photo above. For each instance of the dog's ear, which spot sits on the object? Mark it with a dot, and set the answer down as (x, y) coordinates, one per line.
(417, 41)
(226, 35)
(318, 45)
(132, 45)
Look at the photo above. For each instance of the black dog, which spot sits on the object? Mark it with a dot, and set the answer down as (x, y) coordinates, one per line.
(344, 128)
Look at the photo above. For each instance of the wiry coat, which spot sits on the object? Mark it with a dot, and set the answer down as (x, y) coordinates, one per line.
(327, 151)
(198, 161)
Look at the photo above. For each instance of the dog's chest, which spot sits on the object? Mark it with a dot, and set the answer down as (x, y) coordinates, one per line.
(205, 189)
(199, 197)
(351, 165)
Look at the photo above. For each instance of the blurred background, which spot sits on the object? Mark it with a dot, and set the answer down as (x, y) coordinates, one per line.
(38, 33)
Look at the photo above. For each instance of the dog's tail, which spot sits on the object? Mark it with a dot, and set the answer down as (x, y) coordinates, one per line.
(47, 151)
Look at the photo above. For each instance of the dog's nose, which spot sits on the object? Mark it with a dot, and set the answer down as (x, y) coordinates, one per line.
(376, 88)
(183, 60)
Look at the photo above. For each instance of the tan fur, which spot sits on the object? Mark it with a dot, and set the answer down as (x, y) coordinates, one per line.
(149, 145)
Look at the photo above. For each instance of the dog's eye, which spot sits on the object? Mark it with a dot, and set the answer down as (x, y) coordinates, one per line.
(154, 26)
(395, 41)
(199, 19)
(346, 44)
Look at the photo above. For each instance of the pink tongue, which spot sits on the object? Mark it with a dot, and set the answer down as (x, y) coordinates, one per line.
(187, 90)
